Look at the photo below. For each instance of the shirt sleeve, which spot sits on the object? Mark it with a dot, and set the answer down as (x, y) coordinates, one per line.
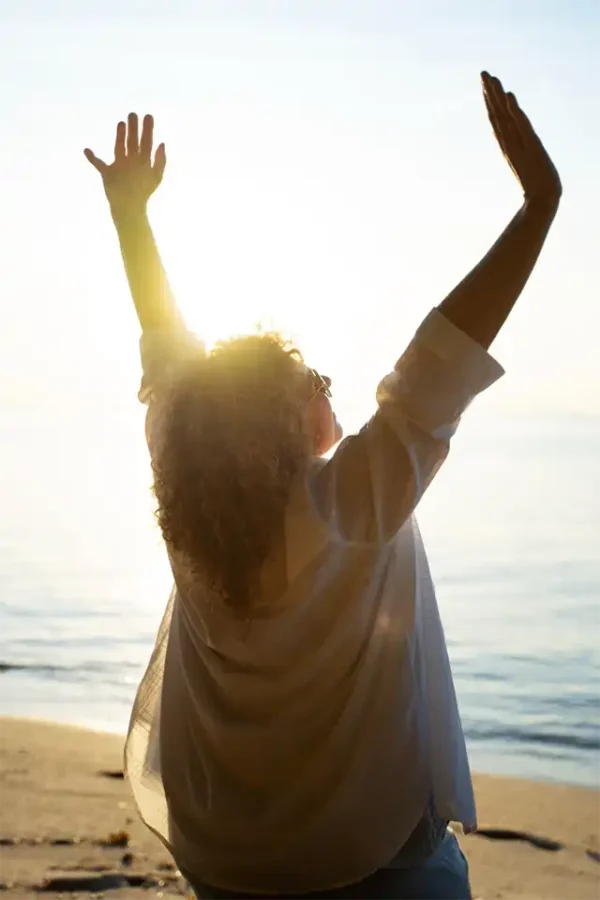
(376, 478)
(163, 355)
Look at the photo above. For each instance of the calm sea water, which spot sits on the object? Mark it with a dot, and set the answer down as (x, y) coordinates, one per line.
(512, 526)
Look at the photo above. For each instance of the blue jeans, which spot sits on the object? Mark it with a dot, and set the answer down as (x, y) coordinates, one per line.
(444, 876)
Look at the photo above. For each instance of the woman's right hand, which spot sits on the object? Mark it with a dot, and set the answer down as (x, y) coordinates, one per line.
(131, 179)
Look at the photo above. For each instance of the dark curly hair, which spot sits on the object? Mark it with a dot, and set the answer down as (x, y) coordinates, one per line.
(233, 441)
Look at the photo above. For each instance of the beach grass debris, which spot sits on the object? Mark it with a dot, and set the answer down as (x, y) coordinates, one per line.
(116, 839)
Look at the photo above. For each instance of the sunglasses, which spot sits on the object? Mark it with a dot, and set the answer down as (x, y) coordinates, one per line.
(320, 385)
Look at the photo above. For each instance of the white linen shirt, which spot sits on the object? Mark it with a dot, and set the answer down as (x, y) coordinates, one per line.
(298, 751)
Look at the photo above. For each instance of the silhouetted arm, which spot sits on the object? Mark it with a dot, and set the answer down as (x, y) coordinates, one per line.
(481, 303)
(129, 182)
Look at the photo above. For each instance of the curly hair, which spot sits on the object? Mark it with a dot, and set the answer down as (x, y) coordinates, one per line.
(233, 442)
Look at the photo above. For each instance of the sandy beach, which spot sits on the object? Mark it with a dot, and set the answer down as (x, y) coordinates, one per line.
(68, 826)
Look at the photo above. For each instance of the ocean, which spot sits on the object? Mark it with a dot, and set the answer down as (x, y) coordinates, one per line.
(512, 528)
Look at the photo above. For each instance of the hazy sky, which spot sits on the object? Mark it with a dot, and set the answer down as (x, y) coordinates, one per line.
(331, 170)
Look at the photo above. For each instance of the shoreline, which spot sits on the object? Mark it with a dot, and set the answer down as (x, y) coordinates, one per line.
(68, 822)
(121, 733)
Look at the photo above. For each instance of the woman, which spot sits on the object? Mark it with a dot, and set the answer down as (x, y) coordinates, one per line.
(297, 731)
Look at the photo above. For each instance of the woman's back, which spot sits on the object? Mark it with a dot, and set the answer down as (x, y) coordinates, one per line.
(278, 739)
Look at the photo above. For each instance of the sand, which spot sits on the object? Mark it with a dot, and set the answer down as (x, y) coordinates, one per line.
(64, 816)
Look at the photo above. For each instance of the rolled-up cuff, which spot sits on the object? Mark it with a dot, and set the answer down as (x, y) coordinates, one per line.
(436, 378)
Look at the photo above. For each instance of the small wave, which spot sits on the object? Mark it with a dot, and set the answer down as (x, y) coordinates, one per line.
(51, 669)
(104, 667)
(522, 736)
(32, 667)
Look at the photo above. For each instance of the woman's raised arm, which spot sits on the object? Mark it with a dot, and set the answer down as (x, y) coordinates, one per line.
(482, 301)
(375, 479)
(129, 182)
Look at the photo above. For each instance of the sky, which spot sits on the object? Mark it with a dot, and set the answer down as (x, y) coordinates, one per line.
(331, 172)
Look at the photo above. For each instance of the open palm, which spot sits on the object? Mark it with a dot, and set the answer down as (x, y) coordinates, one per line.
(522, 148)
(133, 177)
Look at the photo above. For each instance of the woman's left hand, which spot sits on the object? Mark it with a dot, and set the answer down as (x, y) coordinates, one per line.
(522, 148)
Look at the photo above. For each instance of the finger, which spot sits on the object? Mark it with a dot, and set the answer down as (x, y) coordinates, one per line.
(486, 81)
(132, 134)
(492, 92)
(497, 84)
(501, 105)
(147, 137)
(160, 161)
(499, 100)
(520, 119)
(497, 88)
(514, 125)
(492, 87)
(490, 106)
(98, 164)
(120, 140)
(502, 134)
(495, 120)
(528, 136)
(498, 134)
